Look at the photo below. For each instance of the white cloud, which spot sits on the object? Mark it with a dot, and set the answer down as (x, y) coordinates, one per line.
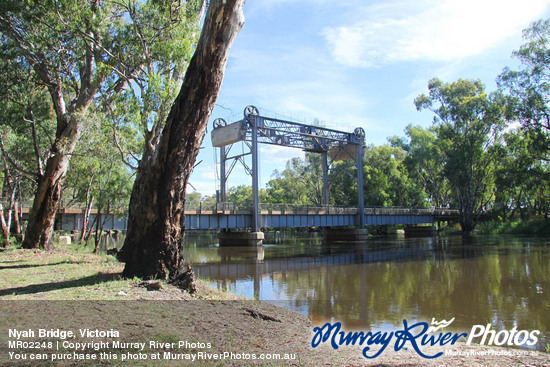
(279, 155)
(434, 30)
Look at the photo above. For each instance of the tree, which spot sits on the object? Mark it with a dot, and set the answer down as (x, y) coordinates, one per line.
(522, 183)
(27, 127)
(301, 182)
(343, 183)
(423, 162)
(97, 177)
(153, 247)
(529, 87)
(468, 122)
(81, 52)
(387, 181)
(241, 196)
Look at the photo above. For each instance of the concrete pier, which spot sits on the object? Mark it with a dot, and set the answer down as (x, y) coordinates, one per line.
(241, 238)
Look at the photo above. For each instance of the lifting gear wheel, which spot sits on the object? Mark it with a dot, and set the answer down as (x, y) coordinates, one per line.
(359, 132)
(250, 111)
(219, 122)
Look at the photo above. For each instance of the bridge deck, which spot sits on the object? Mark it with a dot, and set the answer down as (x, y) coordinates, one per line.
(71, 219)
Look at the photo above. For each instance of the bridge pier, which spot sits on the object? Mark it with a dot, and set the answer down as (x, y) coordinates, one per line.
(345, 235)
(241, 238)
(420, 231)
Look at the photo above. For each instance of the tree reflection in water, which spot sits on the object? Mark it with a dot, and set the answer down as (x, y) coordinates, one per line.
(479, 280)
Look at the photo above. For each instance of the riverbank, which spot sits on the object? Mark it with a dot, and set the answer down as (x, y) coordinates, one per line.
(71, 289)
(533, 227)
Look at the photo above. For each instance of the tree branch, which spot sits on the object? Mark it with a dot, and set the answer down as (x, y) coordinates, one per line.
(124, 160)
(31, 176)
(35, 144)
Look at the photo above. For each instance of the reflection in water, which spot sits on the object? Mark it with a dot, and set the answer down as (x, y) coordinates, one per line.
(480, 280)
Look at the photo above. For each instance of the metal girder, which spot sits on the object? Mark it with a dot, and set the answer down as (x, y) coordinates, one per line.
(296, 135)
(291, 134)
(255, 129)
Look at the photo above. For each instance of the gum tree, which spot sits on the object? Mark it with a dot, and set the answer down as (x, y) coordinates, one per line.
(83, 53)
(529, 87)
(468, 122)
(153, 247)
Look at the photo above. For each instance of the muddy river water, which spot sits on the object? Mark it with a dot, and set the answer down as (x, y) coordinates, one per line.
(499, 280)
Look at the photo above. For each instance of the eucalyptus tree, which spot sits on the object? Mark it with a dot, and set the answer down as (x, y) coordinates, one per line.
(153, 247)
(85, 53)
(529, 87)
(98, 178)
(468, 122)
(522, 182)
(423, 162)
(27, 127)
(387, 180)
(301, 182)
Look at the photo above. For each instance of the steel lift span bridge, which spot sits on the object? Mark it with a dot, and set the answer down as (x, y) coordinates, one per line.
(255, 129)
(332, 145)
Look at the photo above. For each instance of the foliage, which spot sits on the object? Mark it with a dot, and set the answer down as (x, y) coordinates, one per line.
(535, 227)
(301, 182)
(468, 123)
(241, 196)
(387, 181)
(529, 87)
(423, 162)
(94, 54)
(522, 181)
(343, 183)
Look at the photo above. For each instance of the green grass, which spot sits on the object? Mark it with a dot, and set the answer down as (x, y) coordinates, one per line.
(65, 273)
(528, 227)
(74, 272)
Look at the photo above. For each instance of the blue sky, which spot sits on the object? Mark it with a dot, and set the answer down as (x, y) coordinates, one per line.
(356, 63)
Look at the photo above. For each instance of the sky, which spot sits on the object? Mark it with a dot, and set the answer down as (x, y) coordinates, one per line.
(357, 63)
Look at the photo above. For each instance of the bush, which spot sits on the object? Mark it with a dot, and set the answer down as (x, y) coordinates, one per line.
(529, 227)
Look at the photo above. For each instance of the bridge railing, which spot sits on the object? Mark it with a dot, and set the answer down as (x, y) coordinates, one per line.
(305, 209)
(280, 208)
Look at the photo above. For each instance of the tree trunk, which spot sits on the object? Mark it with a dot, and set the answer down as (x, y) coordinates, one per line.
(46, 201)
(87, 210)
(86, 219)
(98, 231)
(153, 247)
(3, 226)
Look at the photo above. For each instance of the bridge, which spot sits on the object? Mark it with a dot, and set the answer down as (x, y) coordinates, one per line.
(332, 145)
(238, 225)
(227, 217)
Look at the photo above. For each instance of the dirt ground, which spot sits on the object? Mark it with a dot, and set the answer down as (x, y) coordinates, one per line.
(210, 322)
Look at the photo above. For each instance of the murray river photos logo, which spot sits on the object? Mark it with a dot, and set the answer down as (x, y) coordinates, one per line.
(419, 335)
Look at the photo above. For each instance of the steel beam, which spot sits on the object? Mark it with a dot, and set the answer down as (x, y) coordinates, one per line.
(253, 120)
(223, 176)
(360, 192)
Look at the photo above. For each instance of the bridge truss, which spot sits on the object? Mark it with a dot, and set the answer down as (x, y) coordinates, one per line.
(254, 129)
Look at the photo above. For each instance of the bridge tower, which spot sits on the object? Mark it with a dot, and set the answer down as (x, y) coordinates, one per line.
(254, 129)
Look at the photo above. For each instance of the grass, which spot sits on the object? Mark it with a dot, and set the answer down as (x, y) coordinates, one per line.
(73, 272)
(529, 227)
(65, 273)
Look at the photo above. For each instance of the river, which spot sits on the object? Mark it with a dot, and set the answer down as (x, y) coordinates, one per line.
(498, 280)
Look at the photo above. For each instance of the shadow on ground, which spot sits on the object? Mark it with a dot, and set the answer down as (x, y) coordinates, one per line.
(47, 287)
(23, 266)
